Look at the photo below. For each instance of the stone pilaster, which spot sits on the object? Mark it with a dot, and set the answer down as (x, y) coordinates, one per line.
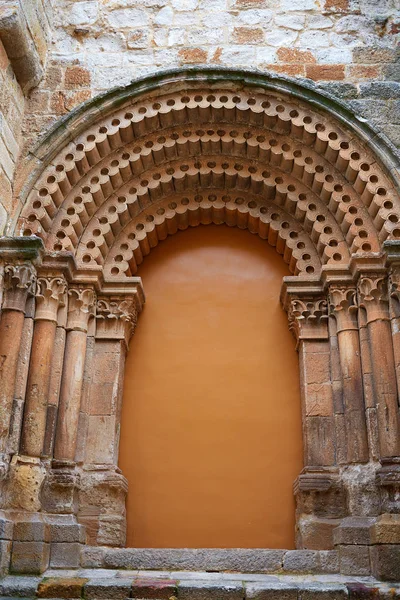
(320, 497)
(103, 488)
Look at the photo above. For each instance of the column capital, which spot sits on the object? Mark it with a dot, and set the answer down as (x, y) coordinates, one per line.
(19, 281)
(116, 317)
(373, 296)
(308, 318)
(81, 306)
(50, 296)
(343, 306)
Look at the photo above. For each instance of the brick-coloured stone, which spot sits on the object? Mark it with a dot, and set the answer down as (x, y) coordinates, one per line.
(247, 35)
(328, 72)
(76, 77)
(193, 55)
(61, 587)
(157, 589)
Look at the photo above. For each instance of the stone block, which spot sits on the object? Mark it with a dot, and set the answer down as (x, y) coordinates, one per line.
(385, 562)
(5, 555)
(92, 557)
(301, 561)
(322, 591)
(30, 557)
(274, 590)
(354, 560)
(61, 587)
(64, 555)
(354, 530)
(96, 589)
(31, 531)
(6, 529)
(218, 590)
(18, 586)
(67, 532)
(329, 561)
(386, 530)
(316, 534)
(157, 589)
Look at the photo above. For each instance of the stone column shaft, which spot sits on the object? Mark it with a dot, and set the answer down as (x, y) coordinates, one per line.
(344, 310)
(49, 297)
(374, 298)
(81, 303)
(18, 279)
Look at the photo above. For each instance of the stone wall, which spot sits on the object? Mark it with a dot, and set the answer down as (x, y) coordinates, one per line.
(25, 32)
(99, 44)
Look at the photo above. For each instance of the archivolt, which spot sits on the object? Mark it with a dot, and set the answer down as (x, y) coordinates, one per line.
(213, 154)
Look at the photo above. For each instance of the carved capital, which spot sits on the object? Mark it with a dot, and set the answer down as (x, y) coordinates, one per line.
(373, 296)
(343, 306)
(50, 296)
(116, 318)
(19, 281)
(308, 318)
(81, 305)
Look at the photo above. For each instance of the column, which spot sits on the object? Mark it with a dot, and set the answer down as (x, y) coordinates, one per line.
(103, 488)
(50, 296)
(80, 308)
(373, 297)
(19, 280)
(344, 309)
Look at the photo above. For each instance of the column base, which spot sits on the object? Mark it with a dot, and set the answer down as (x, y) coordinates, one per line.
(102, 510)
(60, 488)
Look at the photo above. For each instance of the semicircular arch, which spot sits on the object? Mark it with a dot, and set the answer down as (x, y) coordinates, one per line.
(201, 151)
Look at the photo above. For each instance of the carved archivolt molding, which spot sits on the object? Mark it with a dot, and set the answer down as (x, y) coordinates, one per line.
(254, 160)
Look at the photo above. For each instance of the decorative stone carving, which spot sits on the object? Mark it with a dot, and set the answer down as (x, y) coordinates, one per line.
(308, 318)
(343, 305)
(373, 296)
(81, 305)
(116, 318)
(50, 295)
(19, 281)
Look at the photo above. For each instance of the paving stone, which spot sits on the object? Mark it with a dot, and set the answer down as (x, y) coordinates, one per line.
(18, 586)
(158, 589)
(102, 589)
(60, 587)
(203, 590)
(271, 591)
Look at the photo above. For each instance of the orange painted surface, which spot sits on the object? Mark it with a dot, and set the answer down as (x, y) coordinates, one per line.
(211, 424)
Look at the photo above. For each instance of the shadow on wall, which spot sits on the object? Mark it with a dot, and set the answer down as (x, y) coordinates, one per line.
(211, 426)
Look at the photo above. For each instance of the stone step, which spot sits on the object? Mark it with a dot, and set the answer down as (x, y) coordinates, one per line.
(95, 584)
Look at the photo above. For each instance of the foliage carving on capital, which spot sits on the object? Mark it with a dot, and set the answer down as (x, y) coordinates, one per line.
(116, 318)
(308, 318)
(19, 281)
(373, 296)
(50, 296)
(343, 306)
(394, 293)
(81, 306)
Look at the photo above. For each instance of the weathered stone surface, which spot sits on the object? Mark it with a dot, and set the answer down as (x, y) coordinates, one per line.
(60, 587)
(301, 561)
(34, 530)
(65, 555)
(159, 589)
(354, 530)
(385, 562)
(250, 561)
(30, 557)
(275, 590)
(386, 530)
(106, 588)
(19, 586)
(354, 560)
(200, 590)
